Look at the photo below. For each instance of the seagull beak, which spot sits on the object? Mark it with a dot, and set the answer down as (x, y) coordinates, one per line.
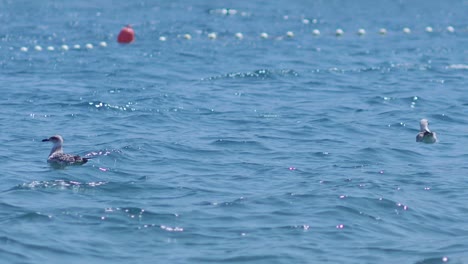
(44, 140)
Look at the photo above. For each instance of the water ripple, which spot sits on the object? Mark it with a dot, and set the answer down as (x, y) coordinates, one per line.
(263, 74)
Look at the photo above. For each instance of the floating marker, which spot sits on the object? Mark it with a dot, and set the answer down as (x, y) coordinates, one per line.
(264, 35)
(187, 36)
(361, 32)
(24, 49)
(339, 32)
(212, 35)
(103, 44)
(89, 46)
(50, 48)
(407, 30)
(64, 47)
(162, 38)
(450, 29)
(38, 48)
(126, 35)
(239, 35)
(305, 21)
(290, 34)
(316, 32)
(382, 31)
(76, 46)
(429, 29)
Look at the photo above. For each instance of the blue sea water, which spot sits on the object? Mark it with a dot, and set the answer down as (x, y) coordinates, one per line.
(279, 150)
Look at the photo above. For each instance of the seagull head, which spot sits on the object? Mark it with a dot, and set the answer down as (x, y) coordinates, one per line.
(424, 124)
(57, 140)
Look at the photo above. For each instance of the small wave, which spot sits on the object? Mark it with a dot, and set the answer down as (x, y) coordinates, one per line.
(433, 260)
(59, 184)
(458, 66)
(33, 216)
(239, 143)
(235, 202)
(258, 74)
(101, 105)
(104, 152)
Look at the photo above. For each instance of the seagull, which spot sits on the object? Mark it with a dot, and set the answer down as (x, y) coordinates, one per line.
(425, 135)
(57, 156)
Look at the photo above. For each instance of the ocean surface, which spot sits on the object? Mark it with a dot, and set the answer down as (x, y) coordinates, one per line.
(248, 148)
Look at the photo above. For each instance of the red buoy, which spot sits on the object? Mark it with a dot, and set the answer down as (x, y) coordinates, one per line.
(126, 35)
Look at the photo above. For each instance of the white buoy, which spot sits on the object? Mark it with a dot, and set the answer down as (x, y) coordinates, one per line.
(450, 29)
(50, 48)
(316, 32)
(64, 47)
(407, 30)
(361, 32)
(89, 46)
(103, 44)
(305, 21)
(232, 12)
(76, 46)
(162, 38)
(264, 35)
(290, 34)
(38, 48)
(24, 49)
(212, 35)
(339, 32)
(429, 29)
(382, 31)
(239, 35)
(187, 36)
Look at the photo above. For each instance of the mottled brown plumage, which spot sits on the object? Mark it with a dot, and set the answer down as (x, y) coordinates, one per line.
(57, 156)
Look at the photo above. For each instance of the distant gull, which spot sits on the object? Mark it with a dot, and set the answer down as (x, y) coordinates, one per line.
(425, 135)
(57, 156)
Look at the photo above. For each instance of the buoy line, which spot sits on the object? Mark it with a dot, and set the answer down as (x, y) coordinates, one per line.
(127, 36)
(64, 47)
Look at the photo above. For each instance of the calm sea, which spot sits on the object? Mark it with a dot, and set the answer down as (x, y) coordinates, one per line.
(274, 145)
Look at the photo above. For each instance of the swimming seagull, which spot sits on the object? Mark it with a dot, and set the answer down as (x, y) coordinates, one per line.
(425, 135)
(57, 156)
